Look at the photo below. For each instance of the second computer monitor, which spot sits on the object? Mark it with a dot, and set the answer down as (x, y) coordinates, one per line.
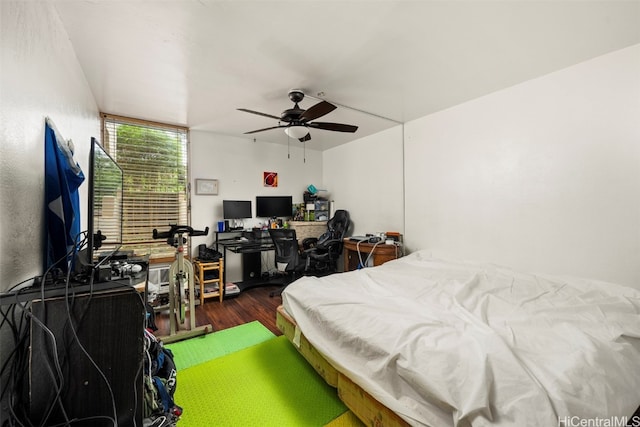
(274, 206)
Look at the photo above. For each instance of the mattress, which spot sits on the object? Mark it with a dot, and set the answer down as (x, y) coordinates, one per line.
(445, 342)
(362, 404)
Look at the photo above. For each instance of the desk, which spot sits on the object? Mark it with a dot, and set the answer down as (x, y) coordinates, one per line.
(381, 253)
(251, 260)
(230, 236)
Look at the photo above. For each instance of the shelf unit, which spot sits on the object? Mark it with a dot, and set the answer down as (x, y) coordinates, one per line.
(201, 268)
(321, 210)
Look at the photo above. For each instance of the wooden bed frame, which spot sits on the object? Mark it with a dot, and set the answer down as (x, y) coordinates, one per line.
(362, 404)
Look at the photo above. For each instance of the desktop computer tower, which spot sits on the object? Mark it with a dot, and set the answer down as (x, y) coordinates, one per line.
(251, 266)
(108, 348)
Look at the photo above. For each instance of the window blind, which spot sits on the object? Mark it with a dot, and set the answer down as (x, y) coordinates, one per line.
(154, 159)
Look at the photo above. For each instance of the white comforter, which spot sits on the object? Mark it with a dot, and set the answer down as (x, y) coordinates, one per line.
(450, 343)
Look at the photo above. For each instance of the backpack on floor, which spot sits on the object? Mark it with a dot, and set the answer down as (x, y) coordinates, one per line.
(160, 383)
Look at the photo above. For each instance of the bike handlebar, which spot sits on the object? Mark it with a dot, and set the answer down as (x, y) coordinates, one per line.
(200, 232)
(179, 229)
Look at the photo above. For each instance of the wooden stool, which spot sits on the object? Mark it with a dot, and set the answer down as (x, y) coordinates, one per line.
(201, 267)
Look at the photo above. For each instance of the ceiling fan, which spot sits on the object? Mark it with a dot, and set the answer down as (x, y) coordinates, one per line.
(296, 122)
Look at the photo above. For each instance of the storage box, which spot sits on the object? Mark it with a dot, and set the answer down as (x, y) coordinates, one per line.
(231, 290)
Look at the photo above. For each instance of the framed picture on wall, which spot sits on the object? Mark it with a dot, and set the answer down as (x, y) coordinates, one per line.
(270, 179)
(207, 186)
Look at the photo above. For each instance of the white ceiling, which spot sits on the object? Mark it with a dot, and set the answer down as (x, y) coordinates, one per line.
(194, 63)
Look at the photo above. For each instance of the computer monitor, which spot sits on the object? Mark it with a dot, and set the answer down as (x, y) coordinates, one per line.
(105, 209)
(274, 206)
(236, 209)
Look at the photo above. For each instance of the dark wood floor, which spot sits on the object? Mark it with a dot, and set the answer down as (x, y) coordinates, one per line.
(252, 304)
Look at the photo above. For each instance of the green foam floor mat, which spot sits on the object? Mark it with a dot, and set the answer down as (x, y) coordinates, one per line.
(268, 384)
(216, 344)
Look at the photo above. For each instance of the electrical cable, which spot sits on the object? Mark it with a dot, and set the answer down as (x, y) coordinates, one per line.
(363, 264)
(57, 401)
(17, 287)
(59, 382)
(81, 346)
(359, 255)
(15, 361)
(82, 420)
(16, 365)
(20, 334)
(95, 365)
(72, 251)
(375, 245)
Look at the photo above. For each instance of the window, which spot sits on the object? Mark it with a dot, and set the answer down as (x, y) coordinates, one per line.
(154, 159)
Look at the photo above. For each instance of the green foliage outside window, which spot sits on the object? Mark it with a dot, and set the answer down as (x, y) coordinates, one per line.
(155, 164)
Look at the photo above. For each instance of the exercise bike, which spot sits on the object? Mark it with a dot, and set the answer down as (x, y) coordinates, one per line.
(181, 274)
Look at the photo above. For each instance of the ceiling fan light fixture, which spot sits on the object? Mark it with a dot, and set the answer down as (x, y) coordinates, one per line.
(296, 131)
(296, 121)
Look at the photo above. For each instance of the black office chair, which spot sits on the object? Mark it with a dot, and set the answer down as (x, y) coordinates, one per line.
(322, 253)
(287, 255)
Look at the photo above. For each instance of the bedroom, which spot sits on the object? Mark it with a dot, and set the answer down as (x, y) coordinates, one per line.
(542, 175)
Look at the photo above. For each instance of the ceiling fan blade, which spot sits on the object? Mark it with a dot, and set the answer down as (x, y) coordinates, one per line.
(307, 137)
(318, 110)
(260, 130)
(339, 127)
(259, 113)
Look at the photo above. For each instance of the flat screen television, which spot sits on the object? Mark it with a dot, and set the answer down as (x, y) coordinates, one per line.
(274, 206)
(105, 211)
(236, 209)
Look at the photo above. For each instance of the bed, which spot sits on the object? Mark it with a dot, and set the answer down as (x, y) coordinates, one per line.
(432, 342)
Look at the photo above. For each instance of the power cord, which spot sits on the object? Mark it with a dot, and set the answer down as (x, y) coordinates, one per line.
(376, 241)
(18, 360)
(16, 365)
(364, 264)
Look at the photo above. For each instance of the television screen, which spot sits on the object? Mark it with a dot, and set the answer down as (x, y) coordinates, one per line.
(105, 201)
(273, 206)
(236, 209)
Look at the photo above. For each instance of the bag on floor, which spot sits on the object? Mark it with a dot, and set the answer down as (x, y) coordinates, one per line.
(160, 382)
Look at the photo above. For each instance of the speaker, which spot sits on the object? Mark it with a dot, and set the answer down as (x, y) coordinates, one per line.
(226, 225)
(251, 265)
(91, 353)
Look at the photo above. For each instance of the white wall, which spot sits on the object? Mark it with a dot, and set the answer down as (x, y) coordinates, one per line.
(544, 176)
(238, 164)
(40, 77)
(365, 177)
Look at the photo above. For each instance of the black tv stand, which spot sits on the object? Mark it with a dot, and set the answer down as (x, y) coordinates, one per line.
(61, 289)
(108, 326)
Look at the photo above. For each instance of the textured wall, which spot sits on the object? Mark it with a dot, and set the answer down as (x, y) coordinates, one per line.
(40, 77)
